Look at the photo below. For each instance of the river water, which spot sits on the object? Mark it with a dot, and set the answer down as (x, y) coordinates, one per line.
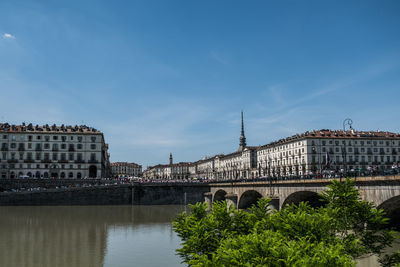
(74, 236)
(110, 236)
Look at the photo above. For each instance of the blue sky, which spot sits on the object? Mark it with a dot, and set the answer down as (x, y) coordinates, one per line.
(172, 76)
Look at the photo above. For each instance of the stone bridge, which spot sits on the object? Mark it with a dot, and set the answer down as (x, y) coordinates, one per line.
(384, 191)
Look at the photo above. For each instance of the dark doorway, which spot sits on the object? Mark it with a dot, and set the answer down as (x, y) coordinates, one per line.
(92, 171)
(54, 175)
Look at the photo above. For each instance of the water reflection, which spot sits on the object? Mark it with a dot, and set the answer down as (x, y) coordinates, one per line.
(82, 236)
(372, 261)
(95, 236)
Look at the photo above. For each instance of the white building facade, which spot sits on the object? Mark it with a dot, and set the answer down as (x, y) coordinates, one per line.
(314, 152)
(332, 152)
(171, 171)
(52, 152)
(125, 169)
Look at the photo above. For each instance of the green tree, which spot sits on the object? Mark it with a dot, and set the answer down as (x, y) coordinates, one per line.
(270, 248)
(357, 220)
(298, 235)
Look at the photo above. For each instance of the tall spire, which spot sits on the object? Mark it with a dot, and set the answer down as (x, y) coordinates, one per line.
(242, 143)
(170, 159)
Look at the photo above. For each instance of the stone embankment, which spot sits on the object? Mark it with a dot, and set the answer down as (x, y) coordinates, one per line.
(92, 192)
(96, 195)
(177, 194)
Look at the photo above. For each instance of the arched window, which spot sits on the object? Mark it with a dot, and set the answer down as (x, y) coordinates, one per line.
(79, 175)
(70, 175)
(37, 175)
(46, 175)
(12, 175)
(29, 174)
(62, 175)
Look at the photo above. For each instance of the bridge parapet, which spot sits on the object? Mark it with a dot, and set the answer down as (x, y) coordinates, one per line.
(378, 189)
(369, 179)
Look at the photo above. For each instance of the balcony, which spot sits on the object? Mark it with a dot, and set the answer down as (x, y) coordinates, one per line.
(79, 161)
(38, 149)
(29, 161)
(46, 161)
(4, 149)
(71, 149)
(55, 149)
(21, 148)
(12, 161)
(96, 161)
(63, 161)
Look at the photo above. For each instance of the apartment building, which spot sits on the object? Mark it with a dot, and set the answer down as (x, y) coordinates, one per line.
(52, 152)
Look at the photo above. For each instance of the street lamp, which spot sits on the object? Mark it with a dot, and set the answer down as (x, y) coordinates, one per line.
(346, 122)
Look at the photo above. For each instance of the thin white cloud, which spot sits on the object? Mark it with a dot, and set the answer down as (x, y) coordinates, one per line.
(218, 57)
(8, 36)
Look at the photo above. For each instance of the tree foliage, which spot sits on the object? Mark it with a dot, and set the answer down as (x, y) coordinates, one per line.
(298, 235)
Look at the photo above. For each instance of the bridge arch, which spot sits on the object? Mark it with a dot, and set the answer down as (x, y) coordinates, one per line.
(219, 195)
(392, 209)
(248, 198)
(313, 199)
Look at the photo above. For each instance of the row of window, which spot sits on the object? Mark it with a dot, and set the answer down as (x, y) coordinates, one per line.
(39, 175)
(356, 142)
(39, 166)
(361, 150)
(45, 156)
(47, 138)
(331, 142)
(359, 159)
(45, 146)
(291, 145)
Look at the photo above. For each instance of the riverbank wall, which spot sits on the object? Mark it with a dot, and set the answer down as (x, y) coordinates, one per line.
(171, 194)
(124, 194)
(106, 195)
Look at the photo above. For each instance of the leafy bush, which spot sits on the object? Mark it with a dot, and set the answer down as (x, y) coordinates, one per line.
(334, 235)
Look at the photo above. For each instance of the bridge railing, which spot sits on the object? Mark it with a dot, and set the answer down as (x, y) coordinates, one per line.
(394, 172)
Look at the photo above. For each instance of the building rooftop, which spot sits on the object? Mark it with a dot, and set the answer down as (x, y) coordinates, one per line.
(132, 164)
(11, 128)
